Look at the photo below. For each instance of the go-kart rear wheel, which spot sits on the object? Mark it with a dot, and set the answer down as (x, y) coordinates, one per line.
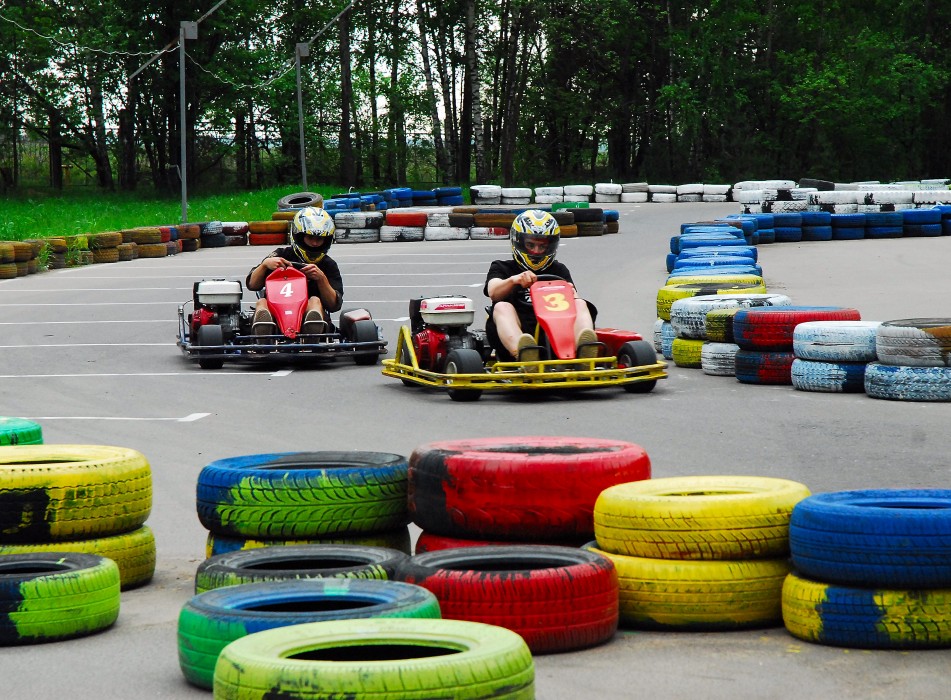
(210, 335)
(635, 354)
(464, 361)
(365, 332)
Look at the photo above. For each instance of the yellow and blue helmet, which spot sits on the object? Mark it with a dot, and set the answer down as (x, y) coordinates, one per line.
(534, 236)
(312, 221)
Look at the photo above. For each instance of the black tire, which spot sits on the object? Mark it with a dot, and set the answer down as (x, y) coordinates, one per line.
(56, 595)
(635, 354)
(212, 620)
(556, 598)
(299, 200)
(366, 332)
(383, 659)
(391, 539)
(211, 334)
(302, 495)
(464, 361)
(297, 562)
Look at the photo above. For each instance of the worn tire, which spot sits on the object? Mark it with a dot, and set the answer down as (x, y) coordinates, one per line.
(375, 660)
(539, 488)
(698, 517)
(56, 595)
(398, 539)
(556, 598)
(66, 492)
(302, 495)
(20, 431)
(210, 621)
(296, 562)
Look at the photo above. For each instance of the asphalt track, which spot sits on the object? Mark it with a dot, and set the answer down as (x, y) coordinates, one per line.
(90, 354)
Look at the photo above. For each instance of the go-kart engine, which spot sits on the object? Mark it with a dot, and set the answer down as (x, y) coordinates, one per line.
(434, 345)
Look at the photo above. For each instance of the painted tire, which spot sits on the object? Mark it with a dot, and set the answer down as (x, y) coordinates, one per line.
(398, 539)
(19, 431)
(719, 359)
(296, 562)
(903, 383)
(889, 538)
(47, 596)
(685, 352)
(303, 495)
(835, 341)
(772, 328)
(688, 316)
(556, 598)
(400, 219)
(133, 552)
(866, 618)
(212, 620)
(763, 367)
(430, 542)
(374, 659)
(670, 293)
(541, 488)
(832, 377)
(698, 595)
(392, 234)
(719, 325)
(698, 517)
(915, 342)
(67, 492)
(445, 233)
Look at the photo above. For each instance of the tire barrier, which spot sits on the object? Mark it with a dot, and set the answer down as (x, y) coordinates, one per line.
(523, 488)
(19, 431)
(386, 659)
(210, 621)
(296, 562)
(555, 598)
(303, 495)
(51, 596)
(398, 539)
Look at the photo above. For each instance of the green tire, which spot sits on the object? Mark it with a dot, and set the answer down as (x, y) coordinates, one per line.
(378, 659)
(47, 596)
(19, 431)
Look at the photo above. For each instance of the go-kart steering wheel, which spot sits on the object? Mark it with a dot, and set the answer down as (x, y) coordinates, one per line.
(545, 277)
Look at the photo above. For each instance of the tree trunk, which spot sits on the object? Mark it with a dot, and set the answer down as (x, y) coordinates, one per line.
(56, 151)
(242, 175)
(97, 134)
(445, 71)
(372, 29)
(442, 171)
(127, 142)
(347, 165)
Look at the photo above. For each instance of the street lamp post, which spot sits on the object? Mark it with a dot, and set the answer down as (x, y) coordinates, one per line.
(302, 50)
(188, 30)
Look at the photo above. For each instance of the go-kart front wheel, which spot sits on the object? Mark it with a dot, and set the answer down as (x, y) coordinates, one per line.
(210, 335)
(365, 332)
(635, 354)
(464, 361)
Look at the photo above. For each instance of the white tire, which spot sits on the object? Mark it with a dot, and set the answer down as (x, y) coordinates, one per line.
(576, 190)
(391, 234)
(549, 191)
(662, 189)
(634, 197)
(607, 188)
(663, 197)
(516, 192)
(445, 233)
(719, 359)
(836, 341)
(549, 198)
(357, 235)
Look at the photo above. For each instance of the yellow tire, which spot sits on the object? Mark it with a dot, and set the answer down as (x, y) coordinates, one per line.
(696, 595)
(133, 552)
(68, 492)
(698, 517)
(685, 352)
(673, 291)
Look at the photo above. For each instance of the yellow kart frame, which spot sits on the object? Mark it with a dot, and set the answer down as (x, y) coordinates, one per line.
(498, 376)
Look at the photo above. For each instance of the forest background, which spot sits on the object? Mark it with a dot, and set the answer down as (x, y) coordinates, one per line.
(516, 92)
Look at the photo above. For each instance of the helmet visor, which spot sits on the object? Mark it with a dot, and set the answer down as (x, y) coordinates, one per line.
(539, 247)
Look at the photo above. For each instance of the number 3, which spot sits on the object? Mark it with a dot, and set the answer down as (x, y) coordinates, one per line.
(555, 302)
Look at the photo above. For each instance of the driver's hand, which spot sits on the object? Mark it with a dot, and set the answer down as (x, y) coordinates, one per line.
(312, 272)
(525, 279)
(275, 263)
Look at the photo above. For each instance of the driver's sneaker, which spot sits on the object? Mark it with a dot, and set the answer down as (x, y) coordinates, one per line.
(313, 323)
(263, 323)
(588, 345)
(528, 350)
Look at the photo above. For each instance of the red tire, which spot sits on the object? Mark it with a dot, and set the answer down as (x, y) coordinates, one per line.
(761, 367)
(771, 327)
(556, 598)
(267, 238)
(406, 218)
(517, 488)
(430, 542)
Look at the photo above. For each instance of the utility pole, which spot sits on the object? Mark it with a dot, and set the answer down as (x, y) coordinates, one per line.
(302, 50)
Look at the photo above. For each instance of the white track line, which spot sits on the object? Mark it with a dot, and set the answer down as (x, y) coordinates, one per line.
(190, 418)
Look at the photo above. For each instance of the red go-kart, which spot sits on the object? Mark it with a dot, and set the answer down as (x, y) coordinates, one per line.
(217, 329)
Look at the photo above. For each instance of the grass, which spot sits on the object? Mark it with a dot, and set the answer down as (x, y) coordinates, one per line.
(37, 214)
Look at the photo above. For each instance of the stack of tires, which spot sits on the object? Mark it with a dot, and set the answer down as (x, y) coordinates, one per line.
(235, 232)
(448, 196)
(357, 226)
(831, 356)
(486, 194)
(872, 569)
(272, 233)
(765, 337)
(403, 226)
(914, 360)
(149, 241)
(700, 552)
(105, 246)
(87, 499)
(439, 227)
(17, 259)
(296, 498)
(189, 237)
(634, 192)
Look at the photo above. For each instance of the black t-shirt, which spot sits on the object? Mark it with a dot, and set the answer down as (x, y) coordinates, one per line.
(327, 265)
(519, 297)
